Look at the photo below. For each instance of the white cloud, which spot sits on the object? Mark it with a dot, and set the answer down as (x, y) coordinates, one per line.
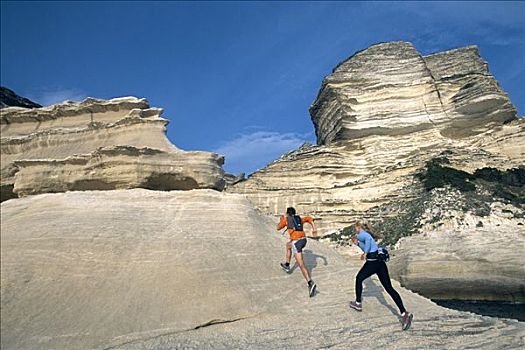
(251, 151)
(50, 96)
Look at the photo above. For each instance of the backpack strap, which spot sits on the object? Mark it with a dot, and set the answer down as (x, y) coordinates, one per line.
(290, 224)
(294, 222)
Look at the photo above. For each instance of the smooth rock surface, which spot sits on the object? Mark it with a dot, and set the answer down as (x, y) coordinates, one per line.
(464, 264)
(462, 256)
(51, 149)
(139, 269)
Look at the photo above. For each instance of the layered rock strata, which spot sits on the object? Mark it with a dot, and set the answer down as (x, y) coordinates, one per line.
(341, 182)
(391, 89)
(379, 118)
(464, 256)
(97, 144)
(139, 269)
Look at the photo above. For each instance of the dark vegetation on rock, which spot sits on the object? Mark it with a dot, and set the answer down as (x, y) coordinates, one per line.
(406, 223)
(389, 228)
(444, 188)
(507, 186)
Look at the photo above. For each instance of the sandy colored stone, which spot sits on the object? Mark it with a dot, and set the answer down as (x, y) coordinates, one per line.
(342, 182)
(391, 89)
(379, 118)
(139, 269)
(50, 149)
(462, 256)
(120, 167)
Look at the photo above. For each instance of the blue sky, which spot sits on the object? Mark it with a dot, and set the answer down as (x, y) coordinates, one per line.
(235, 77)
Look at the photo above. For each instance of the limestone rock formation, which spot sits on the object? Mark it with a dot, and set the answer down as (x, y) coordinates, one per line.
(391, 89)
(97, 144)
(232, 179)
(380, 117)
(140, 269)
(341, 182)
(10, 98)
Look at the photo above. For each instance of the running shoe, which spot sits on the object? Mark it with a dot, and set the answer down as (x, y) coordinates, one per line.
(356, 306)
(311, 288)
(407, 320)
(286, 267)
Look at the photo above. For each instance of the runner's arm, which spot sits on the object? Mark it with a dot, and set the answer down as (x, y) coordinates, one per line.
(311, 221)
(282, 223)
(367, 239)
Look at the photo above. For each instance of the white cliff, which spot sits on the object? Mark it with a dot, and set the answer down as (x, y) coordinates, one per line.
(380, 118)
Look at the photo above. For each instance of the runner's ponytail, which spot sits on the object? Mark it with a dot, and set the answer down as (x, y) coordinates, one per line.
(366, 226)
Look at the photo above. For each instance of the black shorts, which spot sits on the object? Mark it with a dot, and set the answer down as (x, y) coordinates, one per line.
(298, 245)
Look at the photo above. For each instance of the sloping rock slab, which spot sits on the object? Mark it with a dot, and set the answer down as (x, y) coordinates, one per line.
(139, 269)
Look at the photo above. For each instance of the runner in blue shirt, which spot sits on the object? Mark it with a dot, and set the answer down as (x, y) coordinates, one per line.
(374, 265)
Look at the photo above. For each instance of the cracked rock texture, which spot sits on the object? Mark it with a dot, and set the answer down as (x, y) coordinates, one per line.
(379, 118)
(97, 145)
(140, 269)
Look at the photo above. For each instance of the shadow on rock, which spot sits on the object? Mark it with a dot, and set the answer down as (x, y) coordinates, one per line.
(310, 260)
(373, 290)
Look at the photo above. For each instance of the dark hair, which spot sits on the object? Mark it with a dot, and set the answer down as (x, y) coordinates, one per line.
(290, 211)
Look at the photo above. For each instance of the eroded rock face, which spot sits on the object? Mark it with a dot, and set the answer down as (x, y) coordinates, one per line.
(380, 117)
(391, 89)
(339, 183)
(97, 144)
(139, 269)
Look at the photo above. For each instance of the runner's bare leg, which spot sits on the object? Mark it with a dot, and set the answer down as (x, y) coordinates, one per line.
(300, 262)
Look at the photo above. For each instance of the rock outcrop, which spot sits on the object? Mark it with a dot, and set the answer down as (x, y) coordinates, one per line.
(97, 145)
(341, 182)
(466, 249)
(140, 269)
(10, 98)
(391, 89)
(380, 117)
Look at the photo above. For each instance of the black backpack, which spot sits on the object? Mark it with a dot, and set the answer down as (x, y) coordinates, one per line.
(382, 253)
(295, 223)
